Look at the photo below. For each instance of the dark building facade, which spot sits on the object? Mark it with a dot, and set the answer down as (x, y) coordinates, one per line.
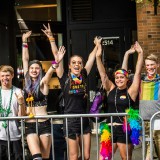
(81, 21)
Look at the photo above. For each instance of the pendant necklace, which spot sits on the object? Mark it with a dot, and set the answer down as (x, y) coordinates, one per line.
(5, 111)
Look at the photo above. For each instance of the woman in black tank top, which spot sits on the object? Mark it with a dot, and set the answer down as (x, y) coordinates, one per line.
(36, 90)
(120, 98)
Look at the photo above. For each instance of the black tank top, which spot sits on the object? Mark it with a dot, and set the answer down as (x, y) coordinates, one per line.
(39, 100)
(118, 102)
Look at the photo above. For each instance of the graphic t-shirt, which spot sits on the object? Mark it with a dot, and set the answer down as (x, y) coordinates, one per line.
(74, 94)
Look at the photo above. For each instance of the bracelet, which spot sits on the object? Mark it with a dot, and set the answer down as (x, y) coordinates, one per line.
(54, 62)
(25, 45)
(51, 39)
(54, 66)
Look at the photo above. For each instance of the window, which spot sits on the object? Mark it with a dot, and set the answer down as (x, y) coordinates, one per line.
(38, 10)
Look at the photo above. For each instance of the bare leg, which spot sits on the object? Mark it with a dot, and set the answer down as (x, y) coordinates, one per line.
(45, 145)
(73, 148)
(87, 145)
(123, 151)
(33, 143)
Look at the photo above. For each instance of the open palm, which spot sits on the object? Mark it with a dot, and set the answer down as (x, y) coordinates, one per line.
(59, 56)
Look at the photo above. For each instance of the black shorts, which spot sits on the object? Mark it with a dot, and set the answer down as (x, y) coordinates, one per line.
(15, 150)
(43, 127)
(74, 127)
(119, 136)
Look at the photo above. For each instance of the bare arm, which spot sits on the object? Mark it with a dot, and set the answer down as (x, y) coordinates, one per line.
(21, 102)
(107, 84)
(92, 56)
(134, 88)
(22, 110)
(45, 80)
(126, 57)
(25, 51)
(57, 66)
(47, 31)
(60, 55)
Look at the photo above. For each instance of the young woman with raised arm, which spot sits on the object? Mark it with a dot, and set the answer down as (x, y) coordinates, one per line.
(120, 98)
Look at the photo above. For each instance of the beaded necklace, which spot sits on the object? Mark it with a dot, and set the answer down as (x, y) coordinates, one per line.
(5, 111)
(115, 100)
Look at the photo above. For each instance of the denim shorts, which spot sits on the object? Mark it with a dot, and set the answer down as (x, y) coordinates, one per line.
(43, 127)
(74, 127)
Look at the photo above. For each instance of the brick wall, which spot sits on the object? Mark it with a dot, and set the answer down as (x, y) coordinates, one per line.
(148, 29)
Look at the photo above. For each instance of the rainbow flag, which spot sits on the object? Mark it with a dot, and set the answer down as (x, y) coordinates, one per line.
(149, 90)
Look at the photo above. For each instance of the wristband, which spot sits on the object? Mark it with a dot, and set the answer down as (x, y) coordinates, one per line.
(54, 62)
(51, 39)
(54, 66)
(25, 45)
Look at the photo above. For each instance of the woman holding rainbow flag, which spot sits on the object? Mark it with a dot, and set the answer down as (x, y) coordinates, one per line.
(120, 99)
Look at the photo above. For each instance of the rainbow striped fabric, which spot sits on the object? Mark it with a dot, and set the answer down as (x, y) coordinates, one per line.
(150, 90)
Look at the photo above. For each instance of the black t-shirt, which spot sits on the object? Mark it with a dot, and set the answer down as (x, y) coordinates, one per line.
(122, 99)
(75, 103)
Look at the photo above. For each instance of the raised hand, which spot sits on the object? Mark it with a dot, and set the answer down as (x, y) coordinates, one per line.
(47, 31)
(138, 48)
(131, 50)
(97, 40)
(98, 44)
(60, 54)
(25, 36)
(20, 98)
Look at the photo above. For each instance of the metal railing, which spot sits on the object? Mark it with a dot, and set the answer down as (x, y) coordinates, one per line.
(66, 117)
(152, 127)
